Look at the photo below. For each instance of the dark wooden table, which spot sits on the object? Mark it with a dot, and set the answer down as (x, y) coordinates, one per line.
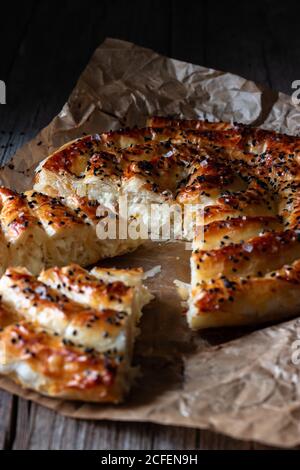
(44, 47)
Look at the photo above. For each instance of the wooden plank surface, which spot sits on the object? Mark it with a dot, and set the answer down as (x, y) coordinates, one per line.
(44, 47)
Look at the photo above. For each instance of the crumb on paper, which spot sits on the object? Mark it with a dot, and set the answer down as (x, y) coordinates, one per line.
(183, 289)
(152, 272)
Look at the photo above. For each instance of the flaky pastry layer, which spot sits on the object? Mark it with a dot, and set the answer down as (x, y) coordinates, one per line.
(69, 332)
(245, 182)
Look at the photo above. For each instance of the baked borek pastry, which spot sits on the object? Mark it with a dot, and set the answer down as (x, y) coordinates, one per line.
(69, 332)
(39, 231)
(243, 181)
(245, 265)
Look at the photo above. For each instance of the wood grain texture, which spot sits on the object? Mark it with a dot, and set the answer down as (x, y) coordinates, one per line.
(43, 50)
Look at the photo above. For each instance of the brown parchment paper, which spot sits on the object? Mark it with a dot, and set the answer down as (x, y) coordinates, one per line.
(240, 382)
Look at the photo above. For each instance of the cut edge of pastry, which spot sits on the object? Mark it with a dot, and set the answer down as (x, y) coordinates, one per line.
(211, 302)
(35, 356)
(39, 231)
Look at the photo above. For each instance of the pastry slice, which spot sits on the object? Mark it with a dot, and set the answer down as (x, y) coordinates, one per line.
(82, 320)
(38, 231)
(236, 282)
(39, 360)
(77, 305)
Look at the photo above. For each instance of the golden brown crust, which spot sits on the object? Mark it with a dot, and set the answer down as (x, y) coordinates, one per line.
(255, 256)
(38, 231)
(73, 157)
(158, 121)
(244, 179)
(220, 233)
(251, 137)
(78, 283)
(46, 302)
(68, 333)
(238, 301)
(15, 215)
(51, 212)
(61, 369)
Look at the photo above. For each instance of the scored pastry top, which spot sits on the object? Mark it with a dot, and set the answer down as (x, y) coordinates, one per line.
(245, 180)
(38, 231)
(183, 161)
(70, 332)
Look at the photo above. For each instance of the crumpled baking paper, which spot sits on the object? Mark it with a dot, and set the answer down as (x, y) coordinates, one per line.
(240, 382)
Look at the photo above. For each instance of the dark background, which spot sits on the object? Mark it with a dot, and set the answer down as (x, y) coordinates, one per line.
(44, 46)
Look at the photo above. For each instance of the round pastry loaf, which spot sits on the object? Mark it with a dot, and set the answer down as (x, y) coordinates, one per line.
(244, 181)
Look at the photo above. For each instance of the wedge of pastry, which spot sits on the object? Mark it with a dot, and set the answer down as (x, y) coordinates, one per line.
(69, 332)
(38, 231)
(244, 182)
